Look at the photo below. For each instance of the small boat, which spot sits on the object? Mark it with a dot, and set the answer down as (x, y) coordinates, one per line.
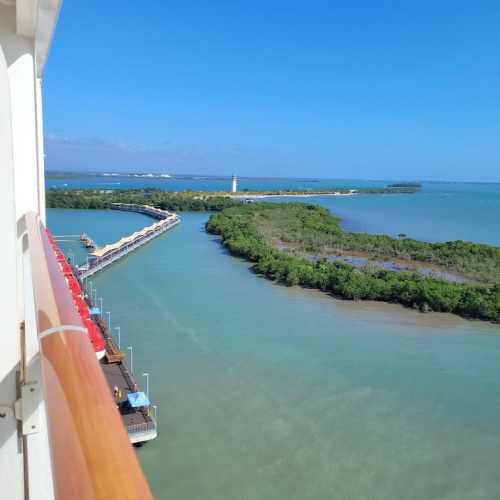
(87, 241)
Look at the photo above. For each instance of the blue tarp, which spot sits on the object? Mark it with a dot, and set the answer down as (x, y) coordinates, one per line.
(137, 399)
(95, 310)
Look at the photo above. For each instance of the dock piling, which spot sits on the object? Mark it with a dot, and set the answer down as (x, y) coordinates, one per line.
(147, 383)
(131, 358)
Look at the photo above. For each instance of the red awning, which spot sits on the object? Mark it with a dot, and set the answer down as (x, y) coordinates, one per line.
(74, 286)
(82, 306)
(66, 268)
(50, 236)
(95, 335)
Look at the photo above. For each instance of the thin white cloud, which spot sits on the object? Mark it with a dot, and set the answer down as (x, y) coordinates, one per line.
(97, 154)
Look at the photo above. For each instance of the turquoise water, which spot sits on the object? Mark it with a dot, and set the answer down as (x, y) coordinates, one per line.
(440, 212)
(266, 392)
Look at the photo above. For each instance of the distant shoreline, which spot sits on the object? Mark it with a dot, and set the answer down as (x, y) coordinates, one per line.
(307, 193)
(193, 200)
(65, 174)
(250, 196)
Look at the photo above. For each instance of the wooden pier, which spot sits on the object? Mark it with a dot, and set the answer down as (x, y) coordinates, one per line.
(141, 426)
(101, 258)
(135, 411)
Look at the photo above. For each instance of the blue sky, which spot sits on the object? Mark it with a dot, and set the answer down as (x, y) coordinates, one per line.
(358, 89)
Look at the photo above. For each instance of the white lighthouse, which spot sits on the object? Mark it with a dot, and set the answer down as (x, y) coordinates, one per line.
(234, 184)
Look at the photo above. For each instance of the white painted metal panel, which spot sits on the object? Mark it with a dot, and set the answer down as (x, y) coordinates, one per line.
(11, 459)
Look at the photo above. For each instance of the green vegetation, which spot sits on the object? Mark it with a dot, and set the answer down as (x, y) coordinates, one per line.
(99, 199)
(316, 231)
(187, 200)
(255, 232)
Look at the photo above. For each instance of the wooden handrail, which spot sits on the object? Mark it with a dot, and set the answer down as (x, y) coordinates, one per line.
(92, 457)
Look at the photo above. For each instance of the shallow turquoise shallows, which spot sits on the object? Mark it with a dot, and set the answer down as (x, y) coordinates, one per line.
(266, 392)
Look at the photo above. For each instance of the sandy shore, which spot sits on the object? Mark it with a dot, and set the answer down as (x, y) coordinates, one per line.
(251, 196)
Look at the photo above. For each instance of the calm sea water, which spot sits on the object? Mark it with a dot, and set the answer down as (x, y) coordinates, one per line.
(439, 212)
(267, 392)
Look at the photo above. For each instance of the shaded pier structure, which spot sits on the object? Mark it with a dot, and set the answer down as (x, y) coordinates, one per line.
(103, 257)
(141, 426)
(139, 423)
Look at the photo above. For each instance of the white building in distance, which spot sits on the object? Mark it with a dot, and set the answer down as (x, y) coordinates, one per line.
(234, 184)
(61, 436)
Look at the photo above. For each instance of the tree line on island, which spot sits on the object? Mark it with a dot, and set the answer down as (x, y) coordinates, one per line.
(247, 231)
(190, 200)
(185, 201)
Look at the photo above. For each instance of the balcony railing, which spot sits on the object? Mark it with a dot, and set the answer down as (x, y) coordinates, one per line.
(91, 457)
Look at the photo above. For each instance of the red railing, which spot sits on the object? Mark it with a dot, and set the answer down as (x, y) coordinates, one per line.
(92, 457)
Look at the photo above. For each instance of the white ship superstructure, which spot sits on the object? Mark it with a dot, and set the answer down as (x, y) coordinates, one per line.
(61, 435)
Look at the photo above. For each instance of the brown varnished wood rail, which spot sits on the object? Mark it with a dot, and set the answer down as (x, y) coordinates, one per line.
(92, 457)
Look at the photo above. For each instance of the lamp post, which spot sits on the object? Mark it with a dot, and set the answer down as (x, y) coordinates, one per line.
(100, 310)
(147, 383)
(119, 335)
(109, 320)
(131, 358)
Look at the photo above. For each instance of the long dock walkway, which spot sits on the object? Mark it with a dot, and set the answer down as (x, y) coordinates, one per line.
(103, 257)
(133, 404)
(140, 424)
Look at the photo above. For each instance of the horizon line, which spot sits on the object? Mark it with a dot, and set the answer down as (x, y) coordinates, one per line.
(228, 176)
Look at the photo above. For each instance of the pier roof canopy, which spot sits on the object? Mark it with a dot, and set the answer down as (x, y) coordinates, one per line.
(125, 240)
(138, 399)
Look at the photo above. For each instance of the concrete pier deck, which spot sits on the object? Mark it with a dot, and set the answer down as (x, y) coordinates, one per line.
(140, 425)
